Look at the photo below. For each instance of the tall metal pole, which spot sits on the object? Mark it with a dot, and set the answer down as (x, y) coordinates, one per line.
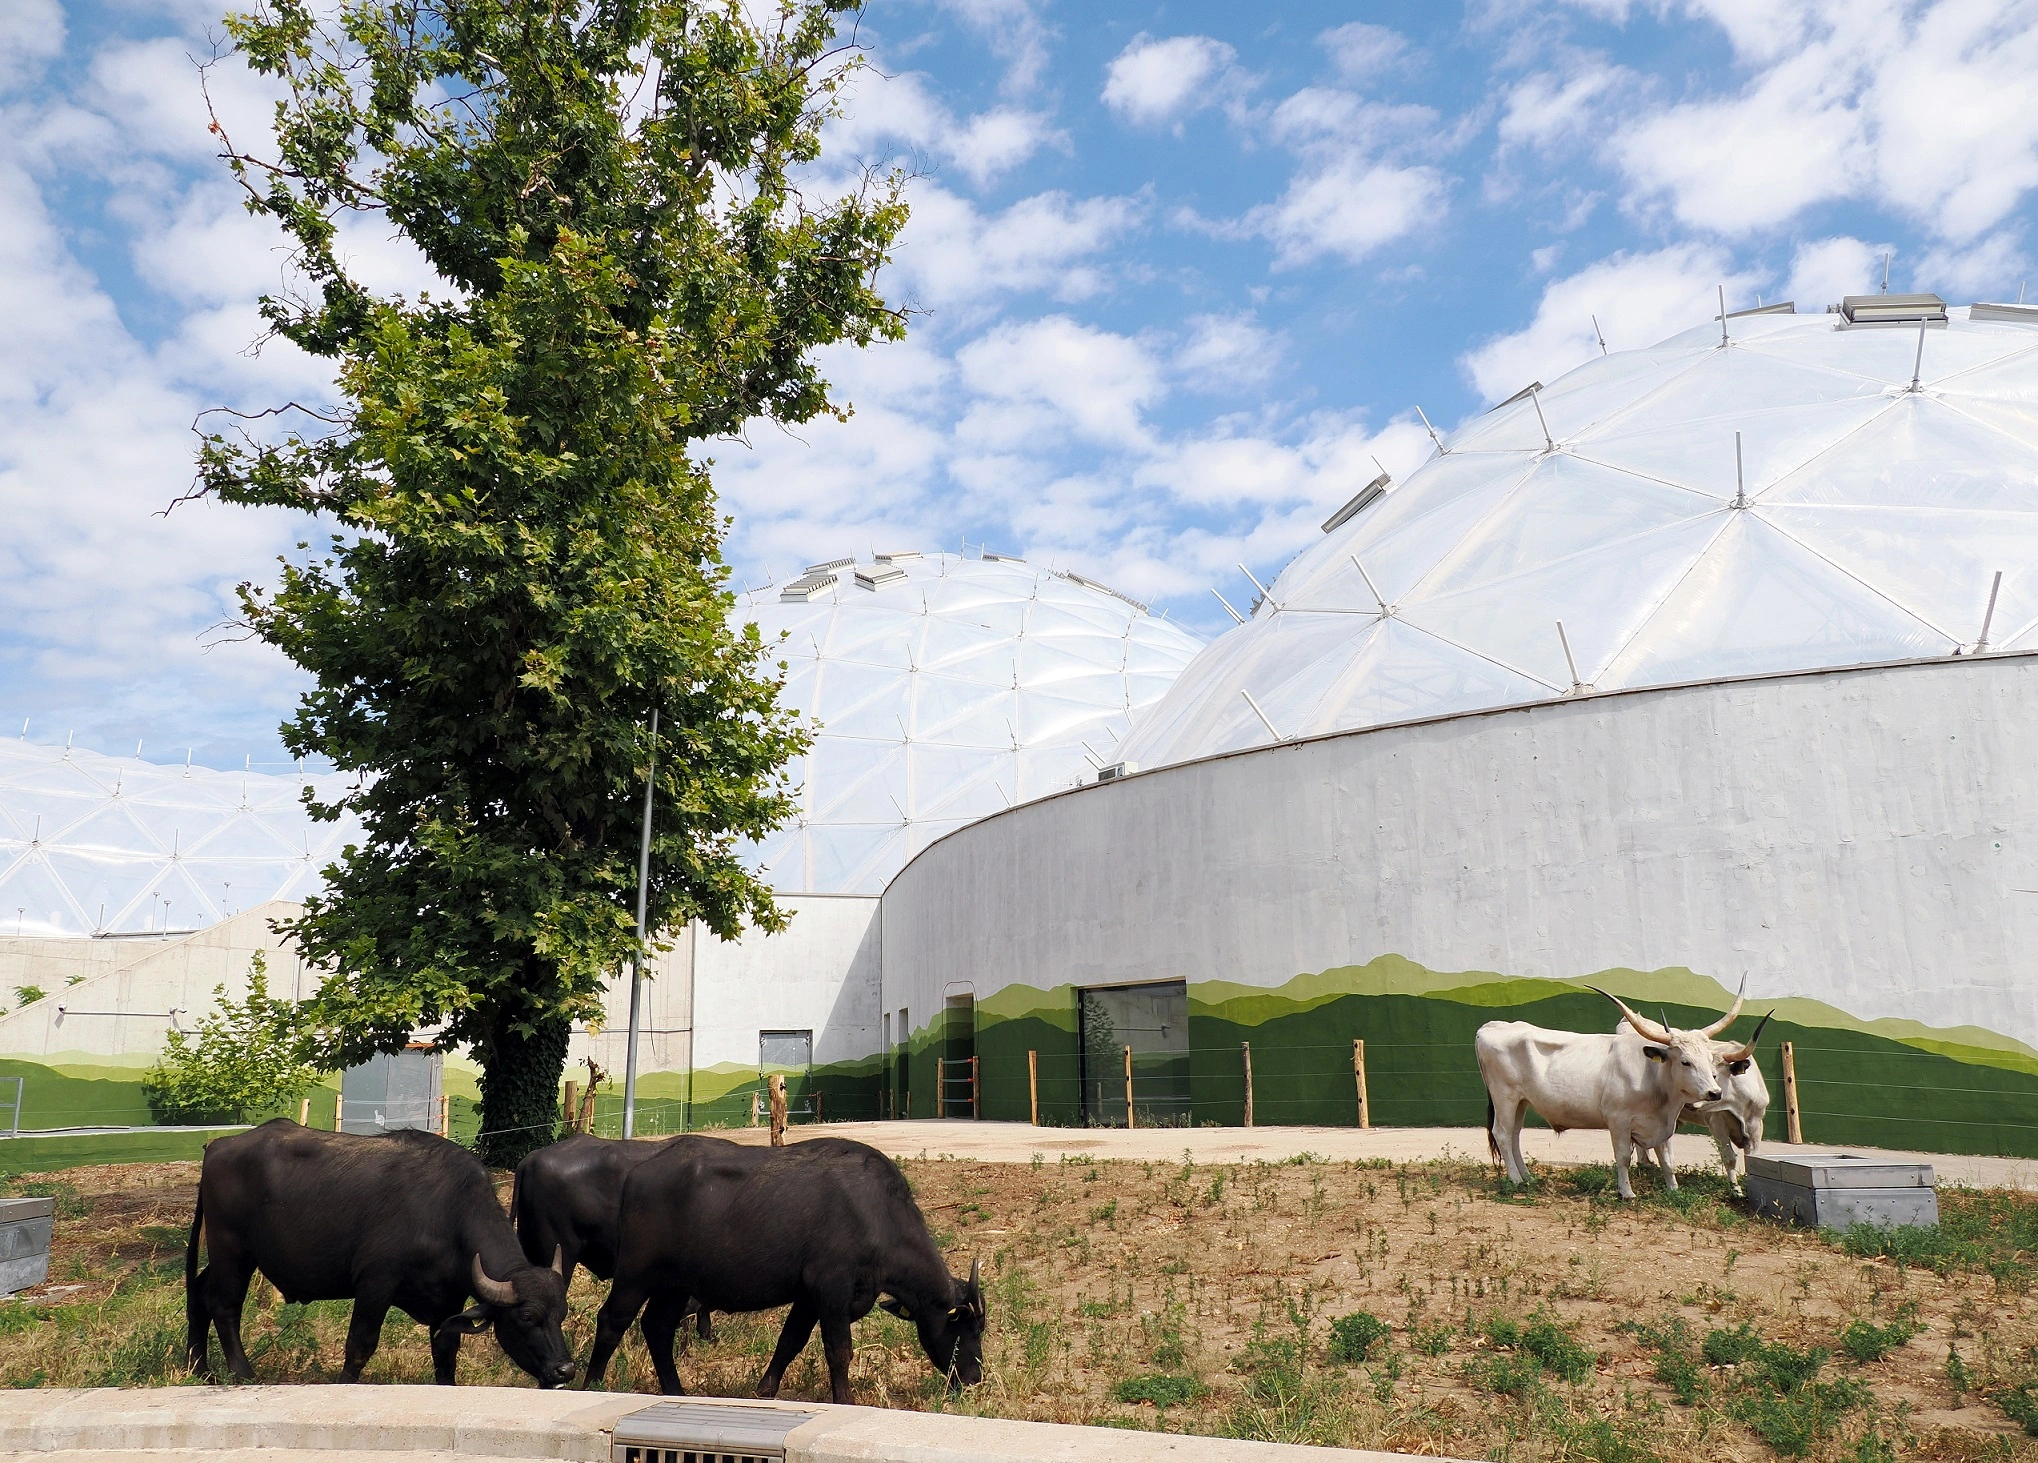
(637, 960)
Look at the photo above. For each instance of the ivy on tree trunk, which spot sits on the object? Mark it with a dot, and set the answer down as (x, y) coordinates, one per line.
(640, 248)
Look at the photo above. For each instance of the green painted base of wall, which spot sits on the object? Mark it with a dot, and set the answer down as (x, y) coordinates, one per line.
(1888, 1084)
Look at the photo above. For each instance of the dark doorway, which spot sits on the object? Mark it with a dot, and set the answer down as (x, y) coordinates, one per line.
(958, 1057)
(1154, 1021)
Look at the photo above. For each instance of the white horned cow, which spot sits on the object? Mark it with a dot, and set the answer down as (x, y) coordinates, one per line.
(1736, 1119)
(1633, 1084)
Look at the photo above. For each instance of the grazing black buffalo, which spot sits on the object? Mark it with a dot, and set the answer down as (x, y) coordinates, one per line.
(407, 1220)
(566, 1201)
(827, 1226)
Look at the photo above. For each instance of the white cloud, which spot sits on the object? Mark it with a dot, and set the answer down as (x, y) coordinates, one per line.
(1361, 51)
(1225, 352)
(1823, 271)
(1016, 34)
(952, 256)
(1546, 108)
(1639, 299)
(997, 141)
(1922, 108)
(1058, 375)
(1987, 269)
(31, 34)
(1153, 81)
(1349, 208)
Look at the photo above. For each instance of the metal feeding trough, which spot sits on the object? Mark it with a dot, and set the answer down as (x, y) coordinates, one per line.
(705, 1432)
(25, 1226)
(1834, 1190)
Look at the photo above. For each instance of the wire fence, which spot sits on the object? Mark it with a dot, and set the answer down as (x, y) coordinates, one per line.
(1848, 1088)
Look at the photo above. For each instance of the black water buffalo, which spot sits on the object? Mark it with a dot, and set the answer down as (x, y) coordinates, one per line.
(566, 1201)
(406, 1220)
(827, 1226)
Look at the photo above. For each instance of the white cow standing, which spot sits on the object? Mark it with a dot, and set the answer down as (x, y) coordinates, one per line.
(1736, 1119)
(1633, 1084)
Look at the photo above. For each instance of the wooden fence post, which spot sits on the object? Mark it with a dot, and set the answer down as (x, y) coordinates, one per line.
(1793, 1119)
(1359, 1077)
(755, 1098)
(1033, 1086)
(445, 1115)
(777, 1086)
(571, 1106)
(1245, 1049)
(339, 1110)
(976, 1088)
(304, 1112)
(1130, 1124)
(941, 1087)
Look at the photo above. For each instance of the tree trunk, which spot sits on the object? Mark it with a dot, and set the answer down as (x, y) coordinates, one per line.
(519, 1088)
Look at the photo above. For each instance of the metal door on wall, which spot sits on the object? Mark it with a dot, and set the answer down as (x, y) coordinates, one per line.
(1154, 1021)
(958, 1057)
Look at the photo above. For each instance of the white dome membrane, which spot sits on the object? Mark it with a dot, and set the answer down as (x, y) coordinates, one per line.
(1865, 523)
(114, 845)
(944, 689)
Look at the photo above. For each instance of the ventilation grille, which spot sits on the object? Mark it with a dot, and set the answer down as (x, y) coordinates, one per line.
(1893, 309)
(809, 586)
(703, 1432)
(879, 575)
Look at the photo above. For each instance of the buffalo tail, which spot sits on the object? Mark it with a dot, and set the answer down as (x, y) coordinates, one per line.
(1492, 1143)
(196, 1321)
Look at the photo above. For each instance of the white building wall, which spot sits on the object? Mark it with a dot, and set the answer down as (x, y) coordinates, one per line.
(820, 974)
(1867, 838)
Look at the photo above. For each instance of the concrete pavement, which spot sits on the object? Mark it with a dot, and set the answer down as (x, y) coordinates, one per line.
(1018, 1142)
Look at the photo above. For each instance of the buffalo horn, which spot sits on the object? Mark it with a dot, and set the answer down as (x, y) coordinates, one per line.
(495, 1292)
(1747, 1048)
(973, 1297)
(559, 1251)
(1728, 1020)
(1642, 1024)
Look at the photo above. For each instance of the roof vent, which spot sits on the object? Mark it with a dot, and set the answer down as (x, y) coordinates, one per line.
(877, 576)
(1787, 307)
(1089, 583)
(1116, 770)
(808, 587)
(1522, 395)
(990, 558)
(1365, 498)
(831, 564)
(1892, 309)
(704, 1432)
(2010, 314)
(900, 556)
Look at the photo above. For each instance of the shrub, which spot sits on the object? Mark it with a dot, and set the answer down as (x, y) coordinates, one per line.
(1867, 1342)
(1731, 1348)
(1557, 1349)
(2020, 1405)
(1352, 1337)
(1162, 1389)
(28, 995)
(245, 1059)
(1512, 1374)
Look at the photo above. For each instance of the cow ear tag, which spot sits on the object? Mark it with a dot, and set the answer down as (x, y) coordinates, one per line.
(894, 1308)
(1655, 1054)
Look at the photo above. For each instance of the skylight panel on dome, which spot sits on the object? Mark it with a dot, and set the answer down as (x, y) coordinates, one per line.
(1359, 502)
(1781, 307)
(879, 575)
(831, 564)
(809, 586)
(1892, 309)
(900, 556)
(991, 558)
(2005, 314)
(1087, 583)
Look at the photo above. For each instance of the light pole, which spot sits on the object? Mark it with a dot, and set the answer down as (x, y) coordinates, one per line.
(637, 959)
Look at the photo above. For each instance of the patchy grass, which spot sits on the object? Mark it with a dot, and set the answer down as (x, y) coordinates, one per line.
(1425, 1308)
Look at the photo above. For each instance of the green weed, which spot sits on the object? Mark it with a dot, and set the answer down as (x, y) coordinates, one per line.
(1162, 1389)
(1353, 1337)
(1867, 1342)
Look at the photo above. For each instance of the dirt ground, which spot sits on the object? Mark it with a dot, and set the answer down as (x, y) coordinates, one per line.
(1219, 1297)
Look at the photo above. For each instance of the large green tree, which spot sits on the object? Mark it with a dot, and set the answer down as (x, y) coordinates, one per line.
(528, 557)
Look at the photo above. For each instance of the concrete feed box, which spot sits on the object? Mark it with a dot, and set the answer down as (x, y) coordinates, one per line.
(1834, 1190)
(25, 1226)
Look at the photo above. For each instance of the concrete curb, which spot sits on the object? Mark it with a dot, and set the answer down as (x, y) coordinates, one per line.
(376, 1423)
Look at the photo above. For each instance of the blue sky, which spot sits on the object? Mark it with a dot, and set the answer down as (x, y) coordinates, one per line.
(1183, 272)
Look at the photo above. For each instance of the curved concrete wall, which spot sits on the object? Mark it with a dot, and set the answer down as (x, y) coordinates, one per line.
(1863, 843)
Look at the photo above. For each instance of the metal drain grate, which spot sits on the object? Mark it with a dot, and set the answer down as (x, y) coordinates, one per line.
(704, 1432)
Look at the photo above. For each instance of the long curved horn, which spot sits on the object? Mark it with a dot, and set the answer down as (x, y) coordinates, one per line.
(495, 1292)
(559, 1251)
(1648, 1029)
(1747, 1048)
(1728, 1020)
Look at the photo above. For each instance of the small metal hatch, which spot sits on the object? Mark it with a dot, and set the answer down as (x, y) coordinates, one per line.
(705, 1432)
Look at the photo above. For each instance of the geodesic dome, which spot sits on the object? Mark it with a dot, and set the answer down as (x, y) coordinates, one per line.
(113, 845)
(1785, 501)
(944, 689)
